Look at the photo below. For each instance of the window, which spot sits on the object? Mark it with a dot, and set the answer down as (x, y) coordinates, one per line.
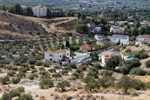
(51, 55)
(60, 56)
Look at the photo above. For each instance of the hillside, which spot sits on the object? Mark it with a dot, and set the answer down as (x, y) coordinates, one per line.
(15, 26)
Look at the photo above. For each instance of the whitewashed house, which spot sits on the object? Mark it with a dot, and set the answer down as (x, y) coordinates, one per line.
(57, 55)
(39, 11)
(94, 28)
(116, 29)
(141, 38)
(123, 39)
(99, 37)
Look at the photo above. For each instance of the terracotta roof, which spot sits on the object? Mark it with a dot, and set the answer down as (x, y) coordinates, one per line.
(85, 46)
(144, 36)
(105, 42)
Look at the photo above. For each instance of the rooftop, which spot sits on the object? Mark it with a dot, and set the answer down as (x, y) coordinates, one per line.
(115, 27)
(144, 36)
(57, 51)
(105, 42)
(85, 46)
(120, 36)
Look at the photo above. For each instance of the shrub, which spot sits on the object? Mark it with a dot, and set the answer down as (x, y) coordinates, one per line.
(97, 65)
(32, 61)
(148, 73)
(57, 75)
(57, 67)
(11, 73)
(46, 64)
(52, 70)
(32, 66)
(25, 97)
(34, 70)
(72, 65)
(107, 81)
(147, 64)
(15, 80)
(46, 82)
(4, 80)
(128, 50)
(144, 55)
(92, 74)
(138, 85)
(106, 73)
(137, 45)
(137, 71)
(38, 63)
(62, 85)
(124, 69)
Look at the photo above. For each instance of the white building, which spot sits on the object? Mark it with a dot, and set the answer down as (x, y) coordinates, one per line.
(99, 37)
(141, 38)
(123, 39)
(79, 57)
(121, 22)
(39, 11)
(116, 29)
(57, 55)
(94, 28)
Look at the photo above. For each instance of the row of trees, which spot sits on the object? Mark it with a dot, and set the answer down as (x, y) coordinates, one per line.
(17, 9)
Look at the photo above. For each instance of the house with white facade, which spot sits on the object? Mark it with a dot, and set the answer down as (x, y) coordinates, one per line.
(107, 56)
(39, 11)
(58, 55)
(99, 37)
(94, 28)
(116, 29)
(141, 38)
(123, 39)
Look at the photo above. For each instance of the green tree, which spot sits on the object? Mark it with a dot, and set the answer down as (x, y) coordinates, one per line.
(94, 56)
(46, 83)
(83, 16)
(48, 13)
(82, 28)
(125, 83)
(29, 11)
(147, 64)
(62, 85)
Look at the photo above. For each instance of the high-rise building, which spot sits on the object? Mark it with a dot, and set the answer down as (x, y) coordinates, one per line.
(39, 11)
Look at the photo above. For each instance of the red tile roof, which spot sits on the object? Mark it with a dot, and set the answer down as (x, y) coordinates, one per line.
(85, 46)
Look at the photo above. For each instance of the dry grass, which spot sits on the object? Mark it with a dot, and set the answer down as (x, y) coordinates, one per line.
(42, 98)
(143, 78)
(56, 96)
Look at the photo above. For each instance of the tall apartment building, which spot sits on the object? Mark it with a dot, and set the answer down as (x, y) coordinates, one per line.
(39, 11)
